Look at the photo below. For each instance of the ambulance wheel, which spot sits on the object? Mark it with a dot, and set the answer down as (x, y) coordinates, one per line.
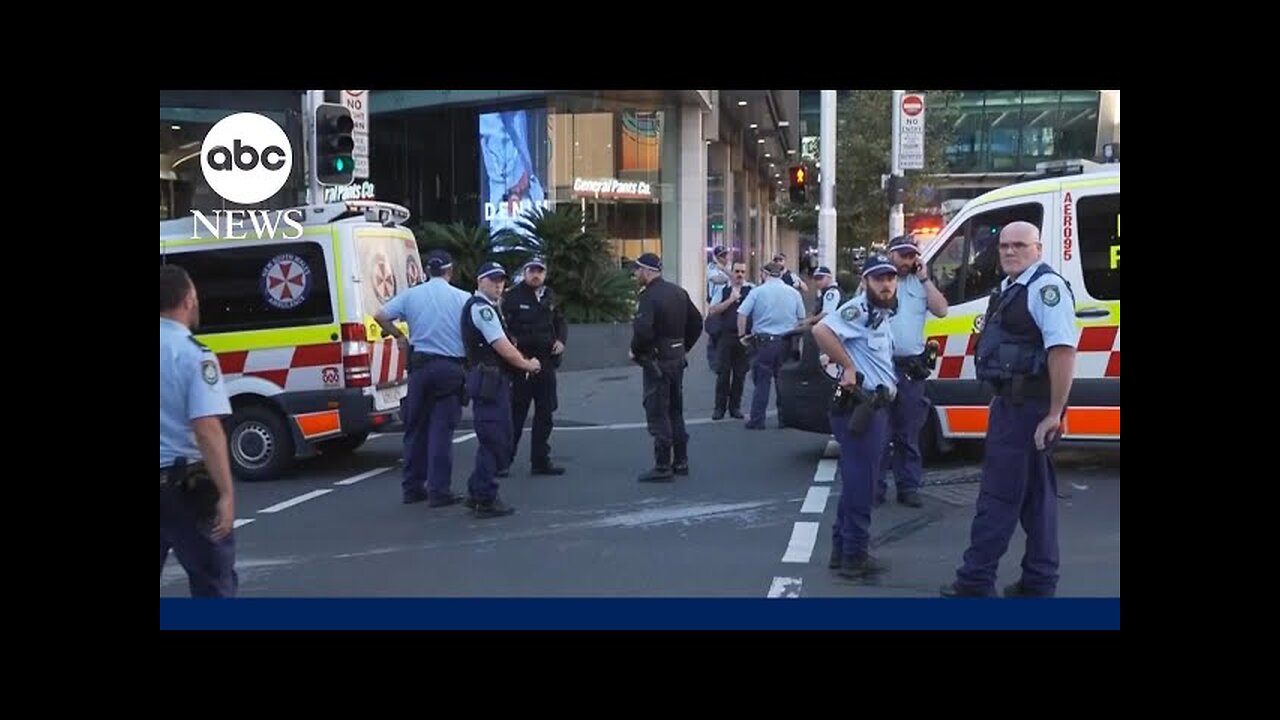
(261, 444)
(342, 445)
(931, 438)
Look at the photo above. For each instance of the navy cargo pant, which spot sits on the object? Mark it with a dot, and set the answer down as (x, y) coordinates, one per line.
(860, 457)
(538, 389)
(431, 411)
(1018, 484)
(210, 564)
(902, 453)
(491, 412)
(770, 352)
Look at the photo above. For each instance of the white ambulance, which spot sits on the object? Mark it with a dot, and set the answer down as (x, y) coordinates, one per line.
(1079, 219)
(289, 313)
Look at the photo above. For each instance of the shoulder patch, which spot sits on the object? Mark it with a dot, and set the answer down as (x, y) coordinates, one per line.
(202, 346)
(209, 371)
(1050, 295)
(850, 313)
(486, 314)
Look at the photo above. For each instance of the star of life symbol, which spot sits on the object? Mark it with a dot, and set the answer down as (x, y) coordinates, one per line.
(286, 280)
(384, 280)
(413, 271)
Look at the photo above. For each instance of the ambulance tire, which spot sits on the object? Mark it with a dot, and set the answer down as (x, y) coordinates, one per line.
(261, 444)
(343, 445)
(931, 438)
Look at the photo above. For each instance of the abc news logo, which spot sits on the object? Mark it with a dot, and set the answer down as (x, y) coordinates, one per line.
(246, 159)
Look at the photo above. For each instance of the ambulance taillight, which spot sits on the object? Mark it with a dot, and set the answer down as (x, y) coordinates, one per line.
(356, 356)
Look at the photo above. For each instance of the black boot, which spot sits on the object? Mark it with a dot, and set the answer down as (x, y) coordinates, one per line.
(662, 469)
(681, 464)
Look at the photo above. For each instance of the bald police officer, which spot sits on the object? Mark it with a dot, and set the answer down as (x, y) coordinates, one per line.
(491, 361)
(1026, 353)
(774, 309)
(197, 503)
(433, 406)
(666, 326)
(916, 296)
(857, 337)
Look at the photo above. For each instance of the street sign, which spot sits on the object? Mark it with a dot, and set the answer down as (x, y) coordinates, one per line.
(911, 139)
(357, 101)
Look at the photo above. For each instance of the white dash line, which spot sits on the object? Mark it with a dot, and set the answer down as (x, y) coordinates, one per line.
(362, 476)
(816, 500)
(296, 501)
(241, 522)
(464, 438)
(826, 471)
(785, 587)
(803, 537)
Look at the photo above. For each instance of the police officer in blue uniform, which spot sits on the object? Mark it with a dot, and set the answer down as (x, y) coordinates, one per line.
(197, 502)
(857, 337)
(828, 298)
(433, 406)
(1026, 352)
(491, 360)
(916, 296)
(665, 327)
(538, 329)
(774, 309)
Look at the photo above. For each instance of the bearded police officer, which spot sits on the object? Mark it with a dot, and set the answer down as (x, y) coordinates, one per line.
(1026, 353)
(538, 330)
(858, 339)
(666, 326)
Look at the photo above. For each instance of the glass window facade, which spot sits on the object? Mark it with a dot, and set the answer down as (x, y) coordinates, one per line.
(1012, 130)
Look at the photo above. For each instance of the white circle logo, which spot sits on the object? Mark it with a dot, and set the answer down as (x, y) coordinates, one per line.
(246, 158)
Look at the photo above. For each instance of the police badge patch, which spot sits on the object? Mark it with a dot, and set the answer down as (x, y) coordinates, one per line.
(209, 370)
(849, 314)
(486, 314)
(979, 321)
(1049, 295)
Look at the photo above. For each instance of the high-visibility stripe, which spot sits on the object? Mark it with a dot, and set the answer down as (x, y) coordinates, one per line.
(264, 339)
(1082, 422)
(318, 423)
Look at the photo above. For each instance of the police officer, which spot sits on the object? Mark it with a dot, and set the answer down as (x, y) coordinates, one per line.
(733, 363)
(828, 298)
(197, 503)
(538, 329)
(774, 309)
(718, 277)
(1026, 352)
(787, 278)
(666, 326)
(916, 295)
(433, 406)
(858, 339)
(491, 360)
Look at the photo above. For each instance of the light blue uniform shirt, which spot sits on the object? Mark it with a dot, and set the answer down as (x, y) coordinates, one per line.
(774, 308)
(1051, 306)
(870, 344)
(907, 323)
(434, 313)
(484, 315)
(191, 387)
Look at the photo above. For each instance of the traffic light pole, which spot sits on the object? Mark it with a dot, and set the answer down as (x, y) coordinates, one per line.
(310, 102)
(827, 156)
(897, 223)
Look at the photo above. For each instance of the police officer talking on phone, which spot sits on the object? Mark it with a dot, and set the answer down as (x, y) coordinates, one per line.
(1026, 352)
(916, 296)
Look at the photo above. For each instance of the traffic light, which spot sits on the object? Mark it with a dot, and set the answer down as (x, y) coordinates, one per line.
(334, 145)
(799, 184)
(896, 190)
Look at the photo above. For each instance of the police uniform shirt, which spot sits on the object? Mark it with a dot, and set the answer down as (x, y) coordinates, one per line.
(908, 321)
(485, 317)
(864, 332)
(432, 310)
(717, 277)
(1050, 305)
(191, 387)
(831, 299)
(780, 308)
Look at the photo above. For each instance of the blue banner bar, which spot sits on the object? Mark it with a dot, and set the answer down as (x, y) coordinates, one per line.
(640, 614)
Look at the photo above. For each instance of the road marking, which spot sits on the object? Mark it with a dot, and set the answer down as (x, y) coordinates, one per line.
(362, 476)
(816, 500)
(464, 438)
(296, 501)
(826, 471)
(803, 537)
(785, 587)
(241, 522)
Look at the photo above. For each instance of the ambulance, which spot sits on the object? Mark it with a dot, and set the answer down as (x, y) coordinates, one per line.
(1078, 213)
(288, 309)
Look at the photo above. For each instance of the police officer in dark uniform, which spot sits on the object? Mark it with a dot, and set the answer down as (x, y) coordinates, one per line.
(197, 503)
(537, 327)
(666, 326)
(491, 361)
(733, 359)
(858, 339)
(433, 405)
(1026, 352)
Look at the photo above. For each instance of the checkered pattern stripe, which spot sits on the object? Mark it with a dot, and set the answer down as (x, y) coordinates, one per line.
(311, 367)
(1097, 354)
